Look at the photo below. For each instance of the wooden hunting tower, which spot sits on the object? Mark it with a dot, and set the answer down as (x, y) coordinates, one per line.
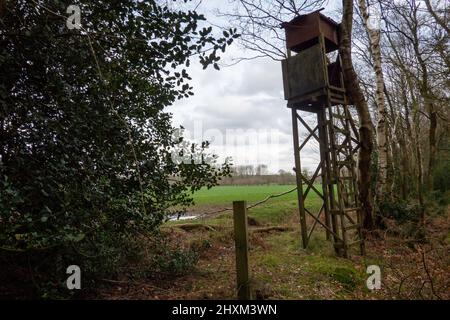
(313, 84)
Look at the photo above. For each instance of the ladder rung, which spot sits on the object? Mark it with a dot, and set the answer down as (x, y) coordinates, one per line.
(337, 89)
(336, 100)
(344, 163)
(353, 226)
(352, 209)
(337, 92)
(345, 159)
(345, 209)
(354, 242)
(336, 95)
(339, 99)
(340, 130)
(339, 116)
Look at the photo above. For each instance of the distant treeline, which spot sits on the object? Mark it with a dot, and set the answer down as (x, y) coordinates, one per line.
(260, 179)
(258, 174)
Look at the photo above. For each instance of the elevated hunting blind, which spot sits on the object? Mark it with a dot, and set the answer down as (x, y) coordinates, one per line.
(313, 84)
(308, 74)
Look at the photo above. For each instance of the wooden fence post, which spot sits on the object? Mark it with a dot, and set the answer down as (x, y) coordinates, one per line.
(241, 244)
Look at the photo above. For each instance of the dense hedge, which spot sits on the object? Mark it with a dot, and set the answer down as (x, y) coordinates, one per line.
(85, 144)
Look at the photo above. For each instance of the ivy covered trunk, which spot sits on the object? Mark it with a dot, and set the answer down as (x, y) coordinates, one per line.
(365, 122)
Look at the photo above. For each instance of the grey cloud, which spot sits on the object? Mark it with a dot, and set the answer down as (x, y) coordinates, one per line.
(244, 96)
(258, 76)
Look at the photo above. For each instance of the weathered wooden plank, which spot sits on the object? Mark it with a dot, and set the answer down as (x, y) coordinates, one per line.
(241, 245)
(298, 175)
(304, 72)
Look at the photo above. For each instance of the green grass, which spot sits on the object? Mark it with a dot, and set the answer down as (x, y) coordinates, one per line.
(296, 274)
(275, 210)
(228, 194)
(277, 258)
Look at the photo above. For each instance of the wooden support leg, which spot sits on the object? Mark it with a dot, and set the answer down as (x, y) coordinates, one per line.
(241, 244)
(298, 174)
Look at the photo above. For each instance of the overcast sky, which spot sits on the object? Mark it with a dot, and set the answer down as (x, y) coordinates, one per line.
(241, 110)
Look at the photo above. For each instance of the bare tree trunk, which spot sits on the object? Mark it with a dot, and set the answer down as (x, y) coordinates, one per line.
(433, 145)
(428, 101)
(416, 143)
(365, 129)
(394, 145)
(374, 38)
(406, 186)
(419, 165)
